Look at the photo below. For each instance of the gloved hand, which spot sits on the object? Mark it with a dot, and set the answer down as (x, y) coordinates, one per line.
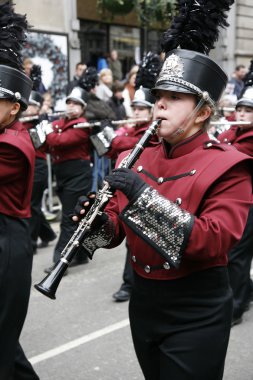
(43, 116)
(103, 123)
(127, 181)
(106, 123)
(84, 203)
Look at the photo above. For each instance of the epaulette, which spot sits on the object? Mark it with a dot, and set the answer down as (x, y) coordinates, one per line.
(213, 144)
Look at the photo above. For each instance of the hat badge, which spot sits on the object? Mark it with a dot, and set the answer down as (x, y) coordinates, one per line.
(172, 67)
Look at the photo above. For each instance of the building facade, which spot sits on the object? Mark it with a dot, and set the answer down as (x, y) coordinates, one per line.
(90, 33)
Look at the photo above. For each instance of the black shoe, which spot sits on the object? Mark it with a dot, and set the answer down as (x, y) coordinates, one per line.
(121, 295)
(75, 263)
(236, 321)
(44, 243)
(49, 270)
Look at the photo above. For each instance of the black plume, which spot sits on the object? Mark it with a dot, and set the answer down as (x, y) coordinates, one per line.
(196, 26)
(13, 28)
(35, 76)
(89, 79)
(149, 69)
(248, 79)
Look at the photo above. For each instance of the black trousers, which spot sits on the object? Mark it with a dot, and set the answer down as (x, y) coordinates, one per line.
(128, 275)
(46, 232)
(181, 328)
(39, 185)
(74, 178)
(15, 282)
(239, 265)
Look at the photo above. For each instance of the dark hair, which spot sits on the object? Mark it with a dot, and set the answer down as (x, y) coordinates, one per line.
(117, 86)
(239, 67)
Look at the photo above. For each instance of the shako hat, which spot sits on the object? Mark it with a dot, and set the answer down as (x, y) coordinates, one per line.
(146, 76)
(246, 98)
(78, 95)
(187, 68)
(35, 97)
(143, 97)
(87, 81)
(14, 83)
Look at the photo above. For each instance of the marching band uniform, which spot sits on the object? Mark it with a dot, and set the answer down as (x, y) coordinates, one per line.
(16, 177)
(142, 105)
(70, 151)
(240, 257)
(182, 208)
(40, 182)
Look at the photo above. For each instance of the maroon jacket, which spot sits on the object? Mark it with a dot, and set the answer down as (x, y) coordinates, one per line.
(212, 181)
(129, 140)
(67, 143)
(239, 138)
(16, 171)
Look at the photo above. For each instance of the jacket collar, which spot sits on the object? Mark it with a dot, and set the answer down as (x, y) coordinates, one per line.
(185, 146)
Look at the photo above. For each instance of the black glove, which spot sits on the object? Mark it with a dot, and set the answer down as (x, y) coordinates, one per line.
(106, 123)
(103, 123)
(80, 206)
(127, 181)
(43, 116)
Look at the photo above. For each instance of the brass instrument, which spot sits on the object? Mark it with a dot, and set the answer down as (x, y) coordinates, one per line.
(113, 122)
(49, 284)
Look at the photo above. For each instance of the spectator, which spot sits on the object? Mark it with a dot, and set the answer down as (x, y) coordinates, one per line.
(236, 84)
(115, 65)
(129, 90)
(103, 90)
(102, 62)
(47, 105)
(79, 70)
(116, 102)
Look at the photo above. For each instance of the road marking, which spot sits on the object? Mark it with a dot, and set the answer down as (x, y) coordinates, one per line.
(77, 342)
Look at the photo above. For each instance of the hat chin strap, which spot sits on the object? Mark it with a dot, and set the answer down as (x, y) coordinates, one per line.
(189, 118)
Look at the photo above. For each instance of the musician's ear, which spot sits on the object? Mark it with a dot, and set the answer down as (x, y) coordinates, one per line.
(203, 114)
(15, 108)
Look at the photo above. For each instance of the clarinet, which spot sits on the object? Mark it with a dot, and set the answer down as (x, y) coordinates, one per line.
(50, 283)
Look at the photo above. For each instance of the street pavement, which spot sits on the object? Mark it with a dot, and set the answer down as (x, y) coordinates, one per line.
(85, 335)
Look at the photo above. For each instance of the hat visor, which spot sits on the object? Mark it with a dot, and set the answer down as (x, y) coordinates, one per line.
(172, 86)
(34, 103)
(78, 100)
(141, 104)
(3, 95)
(244, 102)
(10, 97)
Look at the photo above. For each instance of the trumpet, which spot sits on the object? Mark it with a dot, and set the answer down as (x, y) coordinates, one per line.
(50, 283)
(113, 122)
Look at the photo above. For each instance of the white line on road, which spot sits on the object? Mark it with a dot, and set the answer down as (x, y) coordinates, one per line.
(77, 342)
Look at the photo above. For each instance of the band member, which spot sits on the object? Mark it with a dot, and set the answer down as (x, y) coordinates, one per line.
(41, 169)
(16, 178)
(182, 208)
(240, 257)
(125, 138)
(70, 152)
(97, 110)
